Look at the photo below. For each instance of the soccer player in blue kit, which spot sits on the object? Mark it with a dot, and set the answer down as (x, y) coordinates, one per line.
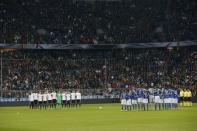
(123, 101)
(175, 99)
(145, 100)
(128, 99)
(140, 98)
(134, 99)
(165, 95)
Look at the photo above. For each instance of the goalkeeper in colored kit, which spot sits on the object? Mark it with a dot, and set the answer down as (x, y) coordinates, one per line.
(59, 98)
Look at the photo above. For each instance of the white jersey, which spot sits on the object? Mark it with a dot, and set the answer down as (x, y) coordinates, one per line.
(53, 95)
(63, 96)
(31, 97)
(73, 96)
(35, 96)
(78, 96)
(151, 91)
(68, 97)
(39, 97)
(49, 96)
(44, 97)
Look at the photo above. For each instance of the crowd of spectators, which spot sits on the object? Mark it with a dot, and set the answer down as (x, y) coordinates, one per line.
(99, 69)
(97, 22)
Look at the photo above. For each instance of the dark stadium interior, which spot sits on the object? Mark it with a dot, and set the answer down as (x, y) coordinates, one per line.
(97, 22)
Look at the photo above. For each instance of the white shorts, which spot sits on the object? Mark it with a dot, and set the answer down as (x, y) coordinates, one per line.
(145, 101)
(151, 98)
(134, 101)
(170, 100)
(165, 100)
(157, 98)
(139, 100)
(160, 101)
(128, 102)
(123, 102)
(174, 100)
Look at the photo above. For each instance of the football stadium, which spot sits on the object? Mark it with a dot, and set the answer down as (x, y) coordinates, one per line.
(98, 65)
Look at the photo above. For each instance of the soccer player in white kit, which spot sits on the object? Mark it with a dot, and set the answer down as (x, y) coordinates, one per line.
(63, 99)
(54, 99)
(44, 100)
(31, 100)
(40, 100)
(68, 100)
(49, 99)
(35, 99)
(73, 98)
(78, 99)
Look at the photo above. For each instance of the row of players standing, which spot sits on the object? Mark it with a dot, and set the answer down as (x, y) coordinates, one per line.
(185, 96)
(50, 99)
(143, 99)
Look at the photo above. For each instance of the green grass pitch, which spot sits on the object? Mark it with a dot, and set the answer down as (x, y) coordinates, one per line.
(90, 118)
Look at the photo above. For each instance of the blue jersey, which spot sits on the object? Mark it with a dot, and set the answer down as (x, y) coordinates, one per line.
(145, 95)
(123, 95)
(127, 96)
(135, 96)
(170, 93)
(165, 93)
(175, 94)
(131, 96)
(140, 92)
(157, 92)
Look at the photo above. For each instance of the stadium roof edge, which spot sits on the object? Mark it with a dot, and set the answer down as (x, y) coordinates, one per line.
(98, 46)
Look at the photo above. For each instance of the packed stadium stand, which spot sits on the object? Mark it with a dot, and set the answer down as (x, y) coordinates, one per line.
(26, 70)
(97, 21)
